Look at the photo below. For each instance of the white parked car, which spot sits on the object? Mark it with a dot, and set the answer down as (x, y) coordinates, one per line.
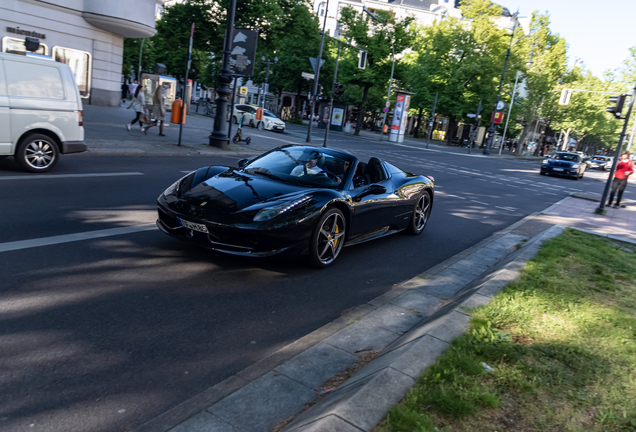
(40, 111)
(268, 122)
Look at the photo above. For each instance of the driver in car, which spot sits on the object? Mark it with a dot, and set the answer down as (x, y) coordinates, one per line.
(310, 165)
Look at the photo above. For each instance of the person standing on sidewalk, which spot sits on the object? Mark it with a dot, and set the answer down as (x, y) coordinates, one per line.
(137, 103)
(158, 109)
(624, 169)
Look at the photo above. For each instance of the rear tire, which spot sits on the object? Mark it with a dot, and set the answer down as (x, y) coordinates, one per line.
(327, 239)
(421, 213)
(37, 153)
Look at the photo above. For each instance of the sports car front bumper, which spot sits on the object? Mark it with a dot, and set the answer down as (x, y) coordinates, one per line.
(237, 241)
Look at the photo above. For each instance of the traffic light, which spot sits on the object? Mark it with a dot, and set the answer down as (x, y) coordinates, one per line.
(618, 109)
(338, 90)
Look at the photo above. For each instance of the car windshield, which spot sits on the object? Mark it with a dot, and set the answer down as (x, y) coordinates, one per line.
(567, 157)
(268, 114)
(302, 165)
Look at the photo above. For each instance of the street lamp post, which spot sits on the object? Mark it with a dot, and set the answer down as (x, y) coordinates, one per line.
(491, 131)
(219, 136)
(266, 87)
(388, 95)
(514, 92)
(315, 87)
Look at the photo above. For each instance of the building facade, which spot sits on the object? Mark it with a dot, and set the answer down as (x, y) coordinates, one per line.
(425, 12)
(88, 35)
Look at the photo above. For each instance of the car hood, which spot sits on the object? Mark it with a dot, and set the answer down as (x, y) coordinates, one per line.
(232, 193)
(276, 121)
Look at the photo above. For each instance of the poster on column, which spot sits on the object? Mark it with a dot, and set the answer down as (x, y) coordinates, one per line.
(336, 117)
(397, 118)
(405, 117)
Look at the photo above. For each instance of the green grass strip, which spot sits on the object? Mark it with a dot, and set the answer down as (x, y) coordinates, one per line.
(561, 341)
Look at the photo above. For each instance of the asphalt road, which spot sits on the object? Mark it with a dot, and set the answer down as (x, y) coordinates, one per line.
(106, 333)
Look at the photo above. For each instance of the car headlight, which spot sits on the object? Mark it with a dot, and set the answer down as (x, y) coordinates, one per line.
(172, 188)
(575, 166)
(545, 161)
(271, 212)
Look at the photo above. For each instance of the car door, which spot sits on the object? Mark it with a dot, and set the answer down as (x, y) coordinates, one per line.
(5, 118)
(373, 207)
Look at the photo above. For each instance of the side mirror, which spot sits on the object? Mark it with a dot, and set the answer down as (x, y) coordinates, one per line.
(242, 163)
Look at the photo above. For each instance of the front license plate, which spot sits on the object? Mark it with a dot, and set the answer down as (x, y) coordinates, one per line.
(557, 169)
(194, 226)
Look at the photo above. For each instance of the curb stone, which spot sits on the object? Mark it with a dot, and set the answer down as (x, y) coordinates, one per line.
(362, 401)
(376, 325)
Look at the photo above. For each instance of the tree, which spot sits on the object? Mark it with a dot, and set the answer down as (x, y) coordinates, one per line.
(461, 59)
(375, 38)
(130, 62)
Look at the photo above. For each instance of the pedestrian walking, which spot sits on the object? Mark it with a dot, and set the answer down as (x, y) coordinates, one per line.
(158, 109)
(133, 87)
(138, 102)
(624, 169)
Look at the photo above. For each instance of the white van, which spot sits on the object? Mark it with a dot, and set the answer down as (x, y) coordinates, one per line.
(40, 111)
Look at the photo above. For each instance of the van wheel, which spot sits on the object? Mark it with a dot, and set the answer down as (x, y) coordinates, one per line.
(37, 153)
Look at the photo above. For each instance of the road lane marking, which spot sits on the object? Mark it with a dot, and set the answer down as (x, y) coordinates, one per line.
(533, 190)
(57, 176)
(68, 238)
(505, 208)
(479, 202)
(549, 193)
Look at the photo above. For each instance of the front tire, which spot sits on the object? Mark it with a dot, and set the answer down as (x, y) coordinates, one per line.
(421, 213)
(37, 153)
(327, 239)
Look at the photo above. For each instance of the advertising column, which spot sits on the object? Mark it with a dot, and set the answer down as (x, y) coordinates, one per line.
(397, 118)
(405, 117)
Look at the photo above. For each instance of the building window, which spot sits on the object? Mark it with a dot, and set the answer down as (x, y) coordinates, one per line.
(321, 8)
(80, 64)
(16, 46)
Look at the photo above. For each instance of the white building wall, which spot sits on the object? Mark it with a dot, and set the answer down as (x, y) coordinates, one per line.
(64, 25)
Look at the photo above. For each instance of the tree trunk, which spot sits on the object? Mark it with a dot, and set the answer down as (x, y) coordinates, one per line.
(451, 131)
(416, 134)
(566, 139)
(524, 134)
(361, 110)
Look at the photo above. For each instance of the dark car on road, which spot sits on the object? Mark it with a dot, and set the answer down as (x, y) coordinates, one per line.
(564, 164)
(297, 200)
(601, 162)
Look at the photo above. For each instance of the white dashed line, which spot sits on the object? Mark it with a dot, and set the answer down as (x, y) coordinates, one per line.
(479, 202)
(504, 208)
(533, 190)
(549, 193)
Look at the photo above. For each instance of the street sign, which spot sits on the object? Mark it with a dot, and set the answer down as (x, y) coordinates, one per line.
(470, 115)
(388, 104)
(243, 90)
(308, 76)
(385, 109)
(500, 105)
(497, 117)
(243, 51)
(313, 60)
(430, 124)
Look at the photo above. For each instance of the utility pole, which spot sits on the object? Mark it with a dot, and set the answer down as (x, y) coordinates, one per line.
(514, 91)
(318, 61)
(333, 89)
(185, 87)
(218, 137)
(601, 207)
(141, 48)
(430, 120)
(266, 86)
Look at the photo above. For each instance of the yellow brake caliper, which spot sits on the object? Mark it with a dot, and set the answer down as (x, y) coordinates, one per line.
(335, 241)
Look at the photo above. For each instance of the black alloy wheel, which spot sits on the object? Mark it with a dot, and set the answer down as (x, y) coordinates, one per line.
(327, 239)
(421, 213)
(37, 153)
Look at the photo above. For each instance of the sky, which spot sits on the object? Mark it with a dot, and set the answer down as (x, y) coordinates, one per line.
(600, 32)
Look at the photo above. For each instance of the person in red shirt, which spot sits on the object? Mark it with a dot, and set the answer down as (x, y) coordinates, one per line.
(624, 169)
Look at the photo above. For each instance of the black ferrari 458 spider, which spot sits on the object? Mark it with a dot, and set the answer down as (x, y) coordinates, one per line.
(297, 200)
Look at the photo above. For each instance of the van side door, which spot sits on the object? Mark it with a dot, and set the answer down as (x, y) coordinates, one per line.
(6, 147)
